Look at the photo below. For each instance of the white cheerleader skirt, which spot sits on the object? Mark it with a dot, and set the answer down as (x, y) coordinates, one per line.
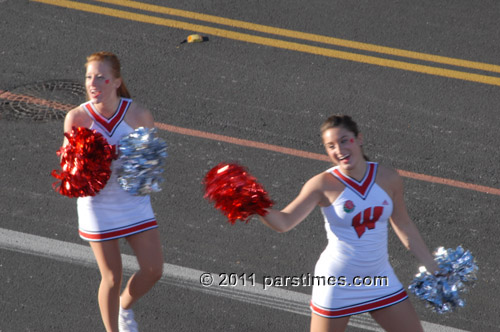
(114, 213)
(340, 291)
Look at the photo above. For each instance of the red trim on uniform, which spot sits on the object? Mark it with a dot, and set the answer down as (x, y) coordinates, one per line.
(361, 187)
(357, 309)
(119, 233)
(109, 124)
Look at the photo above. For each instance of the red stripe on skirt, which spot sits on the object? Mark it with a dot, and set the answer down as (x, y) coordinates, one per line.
(120, 233)
(360, 308)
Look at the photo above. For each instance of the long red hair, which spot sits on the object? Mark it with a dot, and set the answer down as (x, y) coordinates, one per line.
(113, 61)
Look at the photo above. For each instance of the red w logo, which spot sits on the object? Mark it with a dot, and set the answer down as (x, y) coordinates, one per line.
(366, 219)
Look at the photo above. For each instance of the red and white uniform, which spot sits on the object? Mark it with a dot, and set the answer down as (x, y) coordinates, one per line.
(356, 227)
(113, 213)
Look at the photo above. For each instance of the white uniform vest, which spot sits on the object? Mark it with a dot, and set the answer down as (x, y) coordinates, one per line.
(113, 212)
(356, 225)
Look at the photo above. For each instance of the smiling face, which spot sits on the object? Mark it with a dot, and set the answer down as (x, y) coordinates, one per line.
(100, 82)
(344, 148)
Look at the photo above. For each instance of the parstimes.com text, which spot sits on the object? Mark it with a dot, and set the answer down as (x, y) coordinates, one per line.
(303, 280)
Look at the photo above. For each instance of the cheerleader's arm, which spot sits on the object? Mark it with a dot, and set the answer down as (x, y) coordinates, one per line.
(407, 231)
(292, 215)
(77, 117)
(138, 116)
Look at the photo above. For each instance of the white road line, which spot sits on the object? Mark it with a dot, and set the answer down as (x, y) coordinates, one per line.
(179, 276)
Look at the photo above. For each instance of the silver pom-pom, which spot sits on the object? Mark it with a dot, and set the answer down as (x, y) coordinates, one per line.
(141, 156)
(457, 271)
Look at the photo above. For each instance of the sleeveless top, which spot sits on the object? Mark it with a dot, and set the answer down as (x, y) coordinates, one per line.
(357, 222)
(113, 212)
(356, 225)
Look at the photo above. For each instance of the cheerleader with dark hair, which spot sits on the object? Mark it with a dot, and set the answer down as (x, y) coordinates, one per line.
(358, 200)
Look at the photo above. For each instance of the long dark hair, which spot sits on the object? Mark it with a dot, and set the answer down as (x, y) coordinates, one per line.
(113, 61)
(344, 121)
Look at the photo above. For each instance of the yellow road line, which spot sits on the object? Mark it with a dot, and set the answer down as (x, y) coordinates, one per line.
(275, 42)
(305, 36)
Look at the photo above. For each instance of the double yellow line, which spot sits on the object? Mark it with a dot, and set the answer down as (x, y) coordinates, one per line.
(294, 46)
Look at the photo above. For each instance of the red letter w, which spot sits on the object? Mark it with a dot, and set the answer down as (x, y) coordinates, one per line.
(366, 219)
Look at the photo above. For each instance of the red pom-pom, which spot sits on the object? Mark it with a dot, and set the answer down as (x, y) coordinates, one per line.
(85, 163)
(235, 192)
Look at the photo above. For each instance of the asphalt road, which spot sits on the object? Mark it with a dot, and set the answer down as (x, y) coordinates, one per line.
(261, 91)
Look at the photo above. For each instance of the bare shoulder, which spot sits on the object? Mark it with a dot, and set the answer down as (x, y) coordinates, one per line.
(139, 116)
(317, 181)
(327, 186)
(77, 117)
(389, 179)
(321, 181)
(388, 173)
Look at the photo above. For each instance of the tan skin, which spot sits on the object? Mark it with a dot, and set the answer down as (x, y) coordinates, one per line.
(101, 88)
(345, 150)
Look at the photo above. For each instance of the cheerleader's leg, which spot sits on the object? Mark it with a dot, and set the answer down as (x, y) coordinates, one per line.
(323, 324)
(398, 317)
(107, 254)
(148, 250)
